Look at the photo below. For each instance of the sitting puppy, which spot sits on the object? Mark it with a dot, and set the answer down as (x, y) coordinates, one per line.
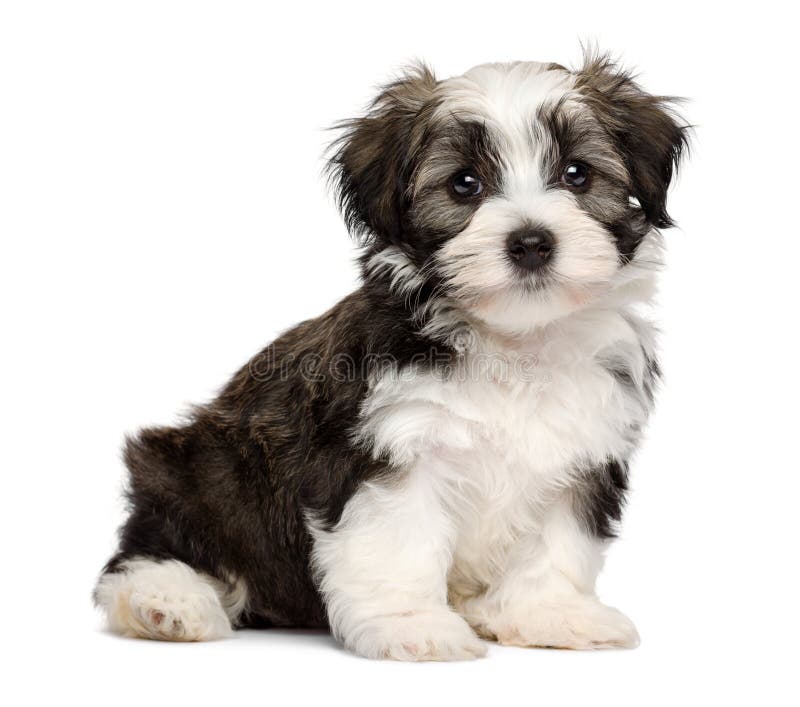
(444, 454)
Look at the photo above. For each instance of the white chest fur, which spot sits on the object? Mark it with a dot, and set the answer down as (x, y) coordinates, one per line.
(475, 515)
(509, 426)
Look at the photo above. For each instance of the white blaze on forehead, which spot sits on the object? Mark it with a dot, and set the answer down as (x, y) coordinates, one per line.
(519, 88)
(507, 98)
(505, 93)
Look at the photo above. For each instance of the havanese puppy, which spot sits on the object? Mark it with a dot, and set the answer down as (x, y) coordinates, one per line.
(443, 456)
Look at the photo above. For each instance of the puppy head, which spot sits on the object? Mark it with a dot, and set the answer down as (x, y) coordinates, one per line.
(518, 191)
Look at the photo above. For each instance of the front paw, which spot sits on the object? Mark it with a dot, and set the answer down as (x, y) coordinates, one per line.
(577, 623)
(416, 636)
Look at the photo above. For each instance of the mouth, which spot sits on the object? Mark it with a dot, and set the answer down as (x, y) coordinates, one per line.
(547, 285)
(534, 282)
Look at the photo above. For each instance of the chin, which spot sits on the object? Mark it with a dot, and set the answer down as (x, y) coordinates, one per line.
(442, 458)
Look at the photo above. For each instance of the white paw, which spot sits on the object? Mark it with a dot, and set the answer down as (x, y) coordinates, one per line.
(416, 635)
(187, 617)
(164, 600)
(577, 623)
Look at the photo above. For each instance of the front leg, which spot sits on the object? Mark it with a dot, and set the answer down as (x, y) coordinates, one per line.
(382, 571)
(545, 596)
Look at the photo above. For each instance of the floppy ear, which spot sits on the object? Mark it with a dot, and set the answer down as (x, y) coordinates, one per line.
(647, 132)
(372, 160)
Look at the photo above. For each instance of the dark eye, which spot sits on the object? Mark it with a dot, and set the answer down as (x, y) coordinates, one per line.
(576, 175)
(466, 184)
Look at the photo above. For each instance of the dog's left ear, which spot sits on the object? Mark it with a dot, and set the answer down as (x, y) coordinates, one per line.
(646, 130)
(372, 160)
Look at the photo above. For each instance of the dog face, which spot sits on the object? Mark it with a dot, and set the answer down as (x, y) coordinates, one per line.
(518, 191)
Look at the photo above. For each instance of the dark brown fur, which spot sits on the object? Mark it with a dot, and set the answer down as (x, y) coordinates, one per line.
(227, 492)
(650, 137)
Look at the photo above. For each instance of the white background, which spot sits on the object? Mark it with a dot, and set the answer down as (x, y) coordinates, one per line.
(163, 217)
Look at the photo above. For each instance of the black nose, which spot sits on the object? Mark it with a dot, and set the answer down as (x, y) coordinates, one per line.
(530, 248)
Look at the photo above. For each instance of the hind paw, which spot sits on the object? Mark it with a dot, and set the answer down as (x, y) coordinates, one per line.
(184, 618)
(163, 600)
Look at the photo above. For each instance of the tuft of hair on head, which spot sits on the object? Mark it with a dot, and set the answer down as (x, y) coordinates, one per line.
(650, 134)
(369, 164)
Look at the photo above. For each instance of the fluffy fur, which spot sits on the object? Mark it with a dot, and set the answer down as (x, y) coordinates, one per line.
(444, 455)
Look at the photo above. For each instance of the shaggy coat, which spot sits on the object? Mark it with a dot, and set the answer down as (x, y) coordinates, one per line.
(446, 451)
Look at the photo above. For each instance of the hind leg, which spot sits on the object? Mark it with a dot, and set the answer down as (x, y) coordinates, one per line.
(167, 600)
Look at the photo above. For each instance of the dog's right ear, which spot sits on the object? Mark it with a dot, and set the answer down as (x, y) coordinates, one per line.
(372, 160)
(650, 136)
